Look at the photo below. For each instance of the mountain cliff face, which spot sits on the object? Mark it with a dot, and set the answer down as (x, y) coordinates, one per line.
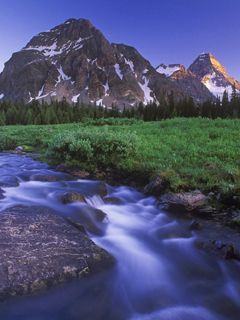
(186, 81)
(74, 60)
(213, 75)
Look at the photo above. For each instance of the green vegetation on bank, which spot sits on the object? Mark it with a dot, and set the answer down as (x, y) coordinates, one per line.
(189, 153)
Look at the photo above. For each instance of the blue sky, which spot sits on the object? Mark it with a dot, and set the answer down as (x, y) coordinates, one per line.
(169, 31)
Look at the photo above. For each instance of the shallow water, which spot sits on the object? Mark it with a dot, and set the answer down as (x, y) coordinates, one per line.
(159, 273)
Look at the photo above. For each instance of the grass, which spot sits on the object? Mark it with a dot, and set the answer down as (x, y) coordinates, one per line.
(189, 153)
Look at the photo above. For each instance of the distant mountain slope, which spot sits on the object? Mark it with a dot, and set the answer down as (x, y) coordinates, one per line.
(186, 81)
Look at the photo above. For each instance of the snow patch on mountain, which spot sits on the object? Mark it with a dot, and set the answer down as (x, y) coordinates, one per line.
(99, 102)
(106, 88)
(1, 96)
(62, 75)
(75, 98)
(47, 51)
(118, 71)
(146, 90)
(167, 70)
(218, 91)
(130, 63)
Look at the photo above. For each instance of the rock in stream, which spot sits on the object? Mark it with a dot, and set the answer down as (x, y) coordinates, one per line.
(39, 249)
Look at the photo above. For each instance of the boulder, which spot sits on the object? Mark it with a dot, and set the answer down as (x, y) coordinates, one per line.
(44, 178)
(195, 225)
(19, 149)
(187, 200)
(156, 187)
(70, 197)
(61, 167)
(113, 200)
(92, 220)
(40, 249)
(1, 194)
(101, 189)
(224, 250)
(81, 174)
(9, 181)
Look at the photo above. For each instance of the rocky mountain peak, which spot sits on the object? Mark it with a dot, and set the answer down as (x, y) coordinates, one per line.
(70, 35)
(206, 63)
(213, 74)
(75, 61)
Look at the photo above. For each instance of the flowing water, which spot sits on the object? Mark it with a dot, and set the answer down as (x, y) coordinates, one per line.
(159, 273)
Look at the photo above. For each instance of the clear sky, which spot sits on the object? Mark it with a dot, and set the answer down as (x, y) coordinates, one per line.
(164, 31)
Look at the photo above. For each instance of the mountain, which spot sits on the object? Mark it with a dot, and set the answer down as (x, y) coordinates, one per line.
(213, 75)
(74, 60)
(186, 81)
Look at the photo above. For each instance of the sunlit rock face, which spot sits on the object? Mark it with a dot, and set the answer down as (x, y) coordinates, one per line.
(213, 75)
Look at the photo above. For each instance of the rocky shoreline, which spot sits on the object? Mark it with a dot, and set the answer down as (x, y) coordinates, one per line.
(212, 205)
(205, 211)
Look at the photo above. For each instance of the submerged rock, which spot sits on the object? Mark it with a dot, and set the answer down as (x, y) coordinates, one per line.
(81, 174)
(1, 194)
(188, 200)
(44, 178)
(224, 250)
(156, 187)
(195, 225)
(93, 220)
(19, 149)
(9, 181)
(102, 189)
(40, 249)
(70, 197)
(113, 200)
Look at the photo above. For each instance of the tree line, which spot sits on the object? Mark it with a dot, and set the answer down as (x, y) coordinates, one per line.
(61, 112)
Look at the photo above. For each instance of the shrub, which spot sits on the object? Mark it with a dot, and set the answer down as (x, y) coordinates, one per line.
(116, 121)
(93, 147)
(7, 142)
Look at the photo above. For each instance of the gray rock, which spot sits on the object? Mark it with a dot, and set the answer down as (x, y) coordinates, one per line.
(188, 200)
(195, 225)
(40, 249)
(70, 197)
(19, 149)
(113, 200)
(91, 219)
(101, 189)
(1, 194)
(224, 250)
(156, 187)
(8, 181)
(44, 178)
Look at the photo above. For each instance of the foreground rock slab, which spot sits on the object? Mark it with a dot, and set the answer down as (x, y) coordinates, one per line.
(39, 249)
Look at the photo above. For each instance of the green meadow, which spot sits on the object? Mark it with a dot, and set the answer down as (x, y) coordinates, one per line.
(190, 153)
